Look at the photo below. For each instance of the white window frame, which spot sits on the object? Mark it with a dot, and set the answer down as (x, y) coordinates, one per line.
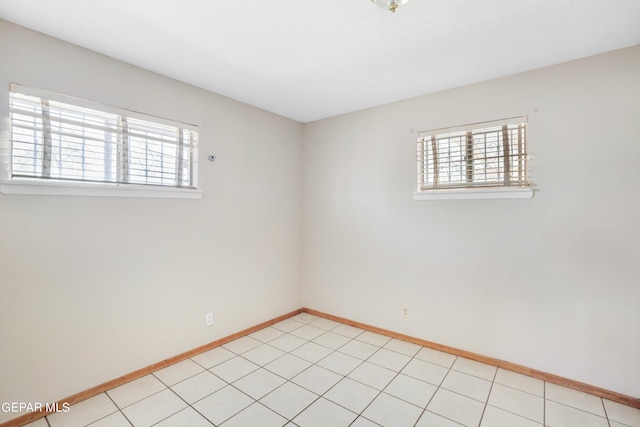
(430, 148)
(39, 185)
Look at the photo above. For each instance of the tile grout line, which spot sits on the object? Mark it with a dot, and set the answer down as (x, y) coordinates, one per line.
(179, 397)
(515, 413)
(486, 403)
(544, 403)
(604, 408)
(119, 409)
(574, 407)
(435, 392)
(201, 414)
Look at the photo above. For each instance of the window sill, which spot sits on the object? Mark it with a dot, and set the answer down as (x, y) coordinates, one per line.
(35, 187)
(475, 193)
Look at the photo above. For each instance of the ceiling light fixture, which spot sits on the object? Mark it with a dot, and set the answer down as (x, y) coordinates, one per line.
(391, 5)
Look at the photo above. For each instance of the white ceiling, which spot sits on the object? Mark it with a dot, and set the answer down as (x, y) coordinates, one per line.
(311, 59)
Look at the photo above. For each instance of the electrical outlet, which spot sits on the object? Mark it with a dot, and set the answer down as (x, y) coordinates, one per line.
(405, 311)
(208, 318)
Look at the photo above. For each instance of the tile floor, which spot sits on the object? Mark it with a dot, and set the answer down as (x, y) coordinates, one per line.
(312, 372)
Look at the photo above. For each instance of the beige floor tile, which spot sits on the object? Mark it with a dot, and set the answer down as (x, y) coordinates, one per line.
(373, 338)
(84, 413)
(622, 413)
(37, 423)
(467, 385)
(574, 398)
(307, 332)
(347, 331)
(287, 366)
(411, 390)
(259, 383)
(494, 417)
(435, 356)
(352, 395)
(517, 402)
(372, 375)
(263, 354)
(474, 368)
(305, 317)
(178, 372)
(289, 400)
(389, 359)
(213, 357)
(199, 386)
(558, 415)
(287, 325)
(520, 382)
(363, 422)
(332, 340)
(390, 411)
(136, 390)
(456, 407)
(340, 363)
(266, 334)
(223, 404)
(311, 352)
(114, 420)
(242, 345)
(429, 419)
(323, 413)
(317, 379)
(404, 347)
(188, 417)
(358, 349)
(325, 324)
(256, 415)
(154, 408)
(287, 342)
(425, 371)
(234, 369)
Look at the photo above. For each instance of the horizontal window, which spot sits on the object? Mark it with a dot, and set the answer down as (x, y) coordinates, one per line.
(479, 156)
(64, 140)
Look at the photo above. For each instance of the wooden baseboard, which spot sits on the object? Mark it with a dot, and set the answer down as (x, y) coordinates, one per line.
(555, 379)
(94, 391)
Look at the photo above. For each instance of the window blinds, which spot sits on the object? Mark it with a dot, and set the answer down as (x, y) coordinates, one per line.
(485, 154)
(61, 138)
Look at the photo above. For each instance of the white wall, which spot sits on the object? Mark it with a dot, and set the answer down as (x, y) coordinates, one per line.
(93, 288)
(551, 283)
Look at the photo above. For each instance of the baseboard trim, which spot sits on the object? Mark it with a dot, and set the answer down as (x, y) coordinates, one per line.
(552, 378)
(94, 391)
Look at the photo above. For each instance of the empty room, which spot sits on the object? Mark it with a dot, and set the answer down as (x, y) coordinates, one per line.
(319, 213)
